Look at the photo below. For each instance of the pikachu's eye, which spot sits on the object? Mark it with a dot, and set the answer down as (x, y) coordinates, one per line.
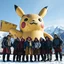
(40, 19)
(26, 19)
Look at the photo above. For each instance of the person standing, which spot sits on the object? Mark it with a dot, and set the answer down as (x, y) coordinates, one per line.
(6, 44)
(9, 45)
(15, 52)
(43, 49)
(28, 48)
(36, 48)
(21, 49)
(57, 45)
(49, 48)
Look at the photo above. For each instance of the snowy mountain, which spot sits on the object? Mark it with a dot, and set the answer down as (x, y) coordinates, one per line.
(50, 29)
(59, 30)
(54, 29)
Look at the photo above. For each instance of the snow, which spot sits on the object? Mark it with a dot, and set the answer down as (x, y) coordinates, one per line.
(55, 29)
(52, 62)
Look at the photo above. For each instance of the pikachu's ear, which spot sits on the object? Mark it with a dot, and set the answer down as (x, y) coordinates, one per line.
(19, 11)
(43, 12)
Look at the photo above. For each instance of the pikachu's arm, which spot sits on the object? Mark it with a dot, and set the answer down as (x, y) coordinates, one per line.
(6, 26)
(46, 34)
(15, 33)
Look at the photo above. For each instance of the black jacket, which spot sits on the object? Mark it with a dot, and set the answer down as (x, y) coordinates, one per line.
(4, 42)
(43, 45)
(57, 42)
(48, 44)
(15, 44)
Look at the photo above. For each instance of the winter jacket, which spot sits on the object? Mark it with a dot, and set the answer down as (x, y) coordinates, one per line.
(27, 44)
(57, 42)
(36, 45)
(21, 44)
(28, 47)
(4, 42)
(42, 45)
(6, 46)
(15, 44)
(49, 44)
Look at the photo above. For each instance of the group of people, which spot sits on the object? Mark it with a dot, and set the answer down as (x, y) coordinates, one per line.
(31, 47)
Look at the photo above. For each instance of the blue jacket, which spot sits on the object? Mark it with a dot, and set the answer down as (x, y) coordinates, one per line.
(57, 42)
(27, 44)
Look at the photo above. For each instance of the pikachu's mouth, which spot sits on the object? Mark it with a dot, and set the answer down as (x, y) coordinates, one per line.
(33, 23)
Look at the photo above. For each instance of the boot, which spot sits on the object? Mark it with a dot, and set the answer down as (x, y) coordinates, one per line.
(60, 56)
(14, 58)
(47, 57)
(42, 57)
(3, 57)
(35, 57)
(19, 58)
(26, 58)
(50, 57)
(31, 58)
(23, 58)
(38, 57)
(8, 55)
(56, 54)
(56, 60)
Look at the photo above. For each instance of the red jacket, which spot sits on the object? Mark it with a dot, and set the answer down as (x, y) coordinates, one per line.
(21, 45)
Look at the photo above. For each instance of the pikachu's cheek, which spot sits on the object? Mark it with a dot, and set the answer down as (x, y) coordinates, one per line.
(23, 25)
(42, 25)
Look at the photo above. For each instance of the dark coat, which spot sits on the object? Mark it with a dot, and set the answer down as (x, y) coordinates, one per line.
(57, 43)
(43, 47)
(21, 48)
(15, 46)
(48, 46)
(4, 42)
(6, 48)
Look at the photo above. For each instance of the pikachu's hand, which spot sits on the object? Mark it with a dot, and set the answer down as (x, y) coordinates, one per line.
(6, 26)
(15, 33)
(48, 35)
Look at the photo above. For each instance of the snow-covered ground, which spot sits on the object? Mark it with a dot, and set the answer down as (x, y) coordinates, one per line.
(52, 62)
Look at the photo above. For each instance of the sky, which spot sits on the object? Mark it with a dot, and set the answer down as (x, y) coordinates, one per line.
(54, 16)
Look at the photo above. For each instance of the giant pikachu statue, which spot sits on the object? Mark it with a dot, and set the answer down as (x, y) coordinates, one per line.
(31, 25)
